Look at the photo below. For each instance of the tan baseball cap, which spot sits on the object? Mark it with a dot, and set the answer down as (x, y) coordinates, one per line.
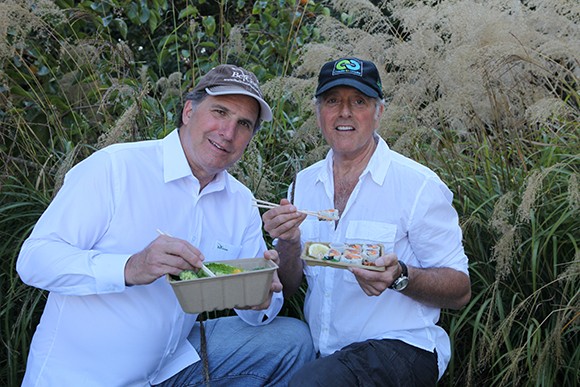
(229, 79)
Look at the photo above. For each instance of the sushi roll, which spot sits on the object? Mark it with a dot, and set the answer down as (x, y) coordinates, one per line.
(354, 247)
(340, 247)
(371, 255)
(331, 214)
(351, 257)
(332, 255)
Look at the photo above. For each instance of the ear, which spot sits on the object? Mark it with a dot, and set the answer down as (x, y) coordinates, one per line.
(382, 109)
(186, 113)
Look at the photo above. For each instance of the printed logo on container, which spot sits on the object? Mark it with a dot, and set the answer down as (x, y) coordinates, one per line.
(348, 66)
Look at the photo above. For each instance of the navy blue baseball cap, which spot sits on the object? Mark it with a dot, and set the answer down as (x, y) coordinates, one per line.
(360, 74)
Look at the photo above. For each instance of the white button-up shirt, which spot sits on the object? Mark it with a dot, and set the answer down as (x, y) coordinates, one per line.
(95, 331)
(407, 208)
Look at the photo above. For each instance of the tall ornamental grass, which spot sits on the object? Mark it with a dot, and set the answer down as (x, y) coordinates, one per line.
(486, 93)
(78, 76)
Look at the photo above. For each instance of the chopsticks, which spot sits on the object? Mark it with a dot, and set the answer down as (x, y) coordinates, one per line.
(264, 204)
(203, 267)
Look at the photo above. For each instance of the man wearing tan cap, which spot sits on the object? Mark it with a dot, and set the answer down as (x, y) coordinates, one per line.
(111, 318)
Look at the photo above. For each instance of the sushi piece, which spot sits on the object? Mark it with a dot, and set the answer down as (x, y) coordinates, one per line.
(351, 257)
(355, 247)
(328, 215)
(332, 255)
(341, 247)
(371, 255)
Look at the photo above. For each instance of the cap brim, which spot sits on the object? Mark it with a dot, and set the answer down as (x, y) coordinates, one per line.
(265, 111)
(365, 89)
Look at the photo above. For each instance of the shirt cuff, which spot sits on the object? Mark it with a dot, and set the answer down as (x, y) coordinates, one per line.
(109, 271)
(263, 317)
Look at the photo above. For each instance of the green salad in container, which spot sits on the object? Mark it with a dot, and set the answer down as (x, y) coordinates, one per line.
(218, 269)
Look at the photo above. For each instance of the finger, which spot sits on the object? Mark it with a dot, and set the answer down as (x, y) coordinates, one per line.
(285, 226)
(279, 215)
(272, 255)
(264, 305)
(184, 249)
(180, 253)
(276, 286)
(372, 282)
(387, 260)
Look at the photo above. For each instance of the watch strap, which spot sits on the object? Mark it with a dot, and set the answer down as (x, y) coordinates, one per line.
(402, 281)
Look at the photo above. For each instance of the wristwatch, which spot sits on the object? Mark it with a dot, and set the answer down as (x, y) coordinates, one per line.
(401, 283)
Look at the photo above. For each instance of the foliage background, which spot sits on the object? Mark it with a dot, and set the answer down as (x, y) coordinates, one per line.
(486, 93)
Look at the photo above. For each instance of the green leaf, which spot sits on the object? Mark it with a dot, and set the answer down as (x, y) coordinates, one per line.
(208, 44)
(145, 13)
(107, 20)
(153, 22)
(209, 25)
(190, 10)
(133, 12)
(121, 27)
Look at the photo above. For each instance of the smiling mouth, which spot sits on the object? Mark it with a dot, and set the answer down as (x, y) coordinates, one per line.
(344, 128)
(217, 146)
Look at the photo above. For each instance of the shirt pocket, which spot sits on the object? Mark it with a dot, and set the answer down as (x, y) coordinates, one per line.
(222, 251)
(364, 231)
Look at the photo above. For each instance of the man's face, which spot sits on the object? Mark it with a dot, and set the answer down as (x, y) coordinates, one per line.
(215, 134)
(348, 119)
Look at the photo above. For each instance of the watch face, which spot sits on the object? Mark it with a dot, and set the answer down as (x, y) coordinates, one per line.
(401, 283)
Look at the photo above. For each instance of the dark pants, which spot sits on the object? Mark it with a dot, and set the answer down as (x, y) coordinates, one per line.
(371, 363)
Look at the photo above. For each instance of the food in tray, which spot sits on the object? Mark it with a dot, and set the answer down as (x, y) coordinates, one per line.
(218, 269)
(318, 250)
(355, 254)
(329, 215)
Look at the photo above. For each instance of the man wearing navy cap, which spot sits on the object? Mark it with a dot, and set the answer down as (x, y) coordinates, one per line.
(371, 328)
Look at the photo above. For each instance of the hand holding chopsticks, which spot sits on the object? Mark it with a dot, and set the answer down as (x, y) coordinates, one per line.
(321, 215)
(203, 267)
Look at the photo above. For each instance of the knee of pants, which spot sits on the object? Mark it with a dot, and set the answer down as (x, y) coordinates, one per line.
(323, 372)
(293, 331)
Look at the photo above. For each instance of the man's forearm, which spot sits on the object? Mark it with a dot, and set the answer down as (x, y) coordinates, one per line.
(290, 271)
(439, 287)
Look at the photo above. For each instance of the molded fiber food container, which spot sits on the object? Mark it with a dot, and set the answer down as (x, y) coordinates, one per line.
(248, 288)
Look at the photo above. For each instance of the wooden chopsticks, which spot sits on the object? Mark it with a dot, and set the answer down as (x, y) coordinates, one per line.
(264, 204)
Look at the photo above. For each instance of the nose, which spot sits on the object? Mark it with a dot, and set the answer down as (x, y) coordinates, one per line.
(345, 109)
(227, 129)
